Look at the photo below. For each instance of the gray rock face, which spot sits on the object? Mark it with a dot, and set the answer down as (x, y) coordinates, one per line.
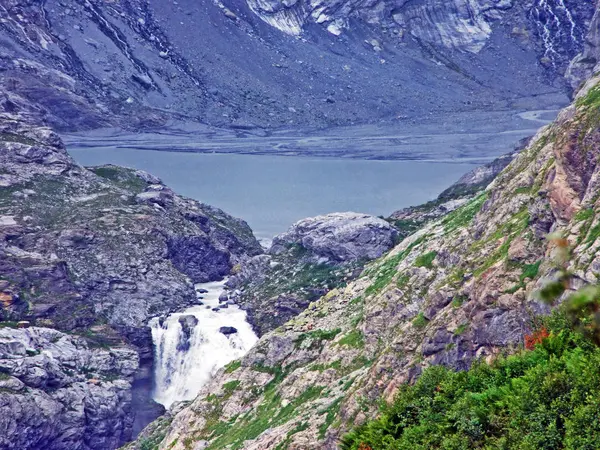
(585, 64)
(97, 253)
(465, 25)
(57, 393)
(313, 257)
(338, 238)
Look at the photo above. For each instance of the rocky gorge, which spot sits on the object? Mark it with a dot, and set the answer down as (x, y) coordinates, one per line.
(459, 289)
(346, 307)
(96, 254)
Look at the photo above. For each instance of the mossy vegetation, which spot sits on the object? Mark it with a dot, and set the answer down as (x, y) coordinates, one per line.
(584, 214)
(270, 413)
(387, 270)
(464, 215)
(354, 339)
(314, 339)
(233, 366)
(122, 177)
(426, 260)
(591, 99)
(420, 321)
(507, 233)
(331, 412)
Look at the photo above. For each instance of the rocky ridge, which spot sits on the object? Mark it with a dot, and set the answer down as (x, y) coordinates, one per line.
(96, 253)
(459, 289)
(411, 219)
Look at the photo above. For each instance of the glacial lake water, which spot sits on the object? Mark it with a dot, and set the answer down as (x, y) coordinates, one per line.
(273, 192)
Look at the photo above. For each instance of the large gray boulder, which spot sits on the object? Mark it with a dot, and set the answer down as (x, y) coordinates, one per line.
(338, 237)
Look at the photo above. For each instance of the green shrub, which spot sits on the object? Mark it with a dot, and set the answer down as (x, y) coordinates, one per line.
(547, 398)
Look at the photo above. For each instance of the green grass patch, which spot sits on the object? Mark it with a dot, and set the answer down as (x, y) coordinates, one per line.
(591, 99)
(461, 329)
(584, 214)
(233, 366)
(230, 387)
(593, 234)
(354, 339)
(523, 190)
(269, 414)
(331, 413)
(426, 260)
(388, 269)
(316, 338)
(288, 438)
(420, 321)
(465, 214)
(459, 300)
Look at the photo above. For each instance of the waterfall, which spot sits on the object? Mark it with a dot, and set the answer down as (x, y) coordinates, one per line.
(553, 18)
(191, 346)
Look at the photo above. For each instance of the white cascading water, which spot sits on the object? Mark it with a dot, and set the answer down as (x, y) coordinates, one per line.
(184, 362)
(546, 9)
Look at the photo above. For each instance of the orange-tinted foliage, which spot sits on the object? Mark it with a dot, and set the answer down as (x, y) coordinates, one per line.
(531, 340)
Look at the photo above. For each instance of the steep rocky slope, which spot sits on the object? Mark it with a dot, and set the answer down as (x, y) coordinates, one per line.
(408, 220)
(96, 253)
(459, 289)
(82, 64)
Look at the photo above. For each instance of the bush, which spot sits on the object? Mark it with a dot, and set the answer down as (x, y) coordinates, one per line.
(546, 398)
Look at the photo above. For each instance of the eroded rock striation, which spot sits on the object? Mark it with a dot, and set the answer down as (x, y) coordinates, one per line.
(461, 288)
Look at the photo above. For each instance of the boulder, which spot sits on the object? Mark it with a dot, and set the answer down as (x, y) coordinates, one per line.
(228, 330)
(338, 237)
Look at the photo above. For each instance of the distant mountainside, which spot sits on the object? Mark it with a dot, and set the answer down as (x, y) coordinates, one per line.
(81, 64)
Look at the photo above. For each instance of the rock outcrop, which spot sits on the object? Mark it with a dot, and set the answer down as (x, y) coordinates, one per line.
(314, 256)
(98, 253)
(462, 288)
(338, 238)
(411, 219)
(59, 393)
(585, 64)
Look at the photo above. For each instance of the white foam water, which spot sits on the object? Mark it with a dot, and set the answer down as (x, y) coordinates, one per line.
(186, 362)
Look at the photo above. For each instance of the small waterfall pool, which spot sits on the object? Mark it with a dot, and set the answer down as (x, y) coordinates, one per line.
(191, 346)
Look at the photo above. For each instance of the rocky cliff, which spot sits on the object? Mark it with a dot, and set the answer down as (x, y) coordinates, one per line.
(459, 289)
(82, 64)
(95, 253)
(58, 391)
